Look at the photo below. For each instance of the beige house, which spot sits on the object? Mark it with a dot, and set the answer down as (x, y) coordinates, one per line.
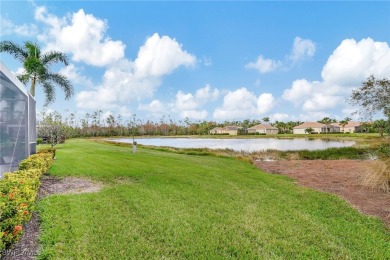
(317, 128)
(216, 130)
(351, 127)
(263, 129)
(231, 130)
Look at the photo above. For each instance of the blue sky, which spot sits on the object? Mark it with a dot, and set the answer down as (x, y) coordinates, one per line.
(207, 60)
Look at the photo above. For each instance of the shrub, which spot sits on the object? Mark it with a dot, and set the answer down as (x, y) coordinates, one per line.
(37, 161)
(39, 140)
(48, 150)
(18, 192)
(334, 153)
(384, 150)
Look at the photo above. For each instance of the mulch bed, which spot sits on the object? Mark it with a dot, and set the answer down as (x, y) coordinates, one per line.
(341, 177)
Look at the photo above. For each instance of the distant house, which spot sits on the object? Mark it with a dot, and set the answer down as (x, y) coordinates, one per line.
(317, 128)
(231, 130)
(262, 129)
(216, 130)
(351, 127)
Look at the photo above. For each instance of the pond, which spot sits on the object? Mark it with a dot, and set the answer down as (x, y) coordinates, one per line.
(246, 145)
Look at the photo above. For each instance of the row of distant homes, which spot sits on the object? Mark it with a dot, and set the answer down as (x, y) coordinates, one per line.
(315, 127)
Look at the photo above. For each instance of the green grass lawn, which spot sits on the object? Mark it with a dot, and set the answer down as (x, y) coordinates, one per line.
(159, 204)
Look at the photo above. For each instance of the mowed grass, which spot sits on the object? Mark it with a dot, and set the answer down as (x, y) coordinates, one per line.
(159, 204)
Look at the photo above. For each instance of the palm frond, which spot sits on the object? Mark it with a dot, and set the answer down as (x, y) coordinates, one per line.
(49, 91)
(62, 82)
(53, 57)
(37, 68)
(13, 49)
(24, 78)
(33, 49)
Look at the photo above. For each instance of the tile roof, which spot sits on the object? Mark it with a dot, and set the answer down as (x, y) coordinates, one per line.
(230, 128)
(263, 126)
(310, 124)
(350, 124)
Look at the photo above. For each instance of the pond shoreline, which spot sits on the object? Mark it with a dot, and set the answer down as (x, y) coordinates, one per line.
(240, 144)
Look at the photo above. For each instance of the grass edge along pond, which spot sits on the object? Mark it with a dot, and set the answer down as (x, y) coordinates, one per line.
(159, 204)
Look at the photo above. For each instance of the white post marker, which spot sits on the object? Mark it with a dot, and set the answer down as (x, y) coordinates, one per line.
(134, 147)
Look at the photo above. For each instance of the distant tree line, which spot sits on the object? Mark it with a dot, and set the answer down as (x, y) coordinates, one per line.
(54, 127)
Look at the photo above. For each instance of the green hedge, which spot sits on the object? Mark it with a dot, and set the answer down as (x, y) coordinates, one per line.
(39, 140)
(18, 192)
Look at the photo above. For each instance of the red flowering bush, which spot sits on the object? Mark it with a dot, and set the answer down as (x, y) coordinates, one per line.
(18, 192)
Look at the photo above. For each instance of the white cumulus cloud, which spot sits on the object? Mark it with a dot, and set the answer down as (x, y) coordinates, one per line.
(205, 94)
(185, 101)
(8, 27)
(74, 74)
(155, 108)
(349, 64)
(299, 91)
(82, 35)
(127, 80)
(242, 103)
(312, 116)
(191, 105)
(160, 56)
(352, 62)
(279, 117)
(321, 101)
(265, 103)
(194, 114)
(263, 65)
(302, 49)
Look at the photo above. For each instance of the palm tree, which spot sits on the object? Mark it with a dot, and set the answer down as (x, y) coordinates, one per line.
(380, 125)
(266, 119)
(309, 130)
(344, 122)
(281, 127)
(37, 68)
(326, 121)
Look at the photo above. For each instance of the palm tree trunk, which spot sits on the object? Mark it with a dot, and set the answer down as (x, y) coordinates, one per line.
(32, 88)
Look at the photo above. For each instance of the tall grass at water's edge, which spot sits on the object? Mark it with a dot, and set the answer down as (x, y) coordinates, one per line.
(377, 177)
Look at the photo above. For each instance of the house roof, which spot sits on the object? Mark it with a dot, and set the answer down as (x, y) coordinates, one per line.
(226, 128)
(231, 128)
(309, 124)
(350, 124)
(263, 126)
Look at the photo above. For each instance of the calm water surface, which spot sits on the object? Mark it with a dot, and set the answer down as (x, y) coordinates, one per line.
(247, 145)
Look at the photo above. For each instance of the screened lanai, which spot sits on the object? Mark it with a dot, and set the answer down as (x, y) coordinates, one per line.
(17, 122)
